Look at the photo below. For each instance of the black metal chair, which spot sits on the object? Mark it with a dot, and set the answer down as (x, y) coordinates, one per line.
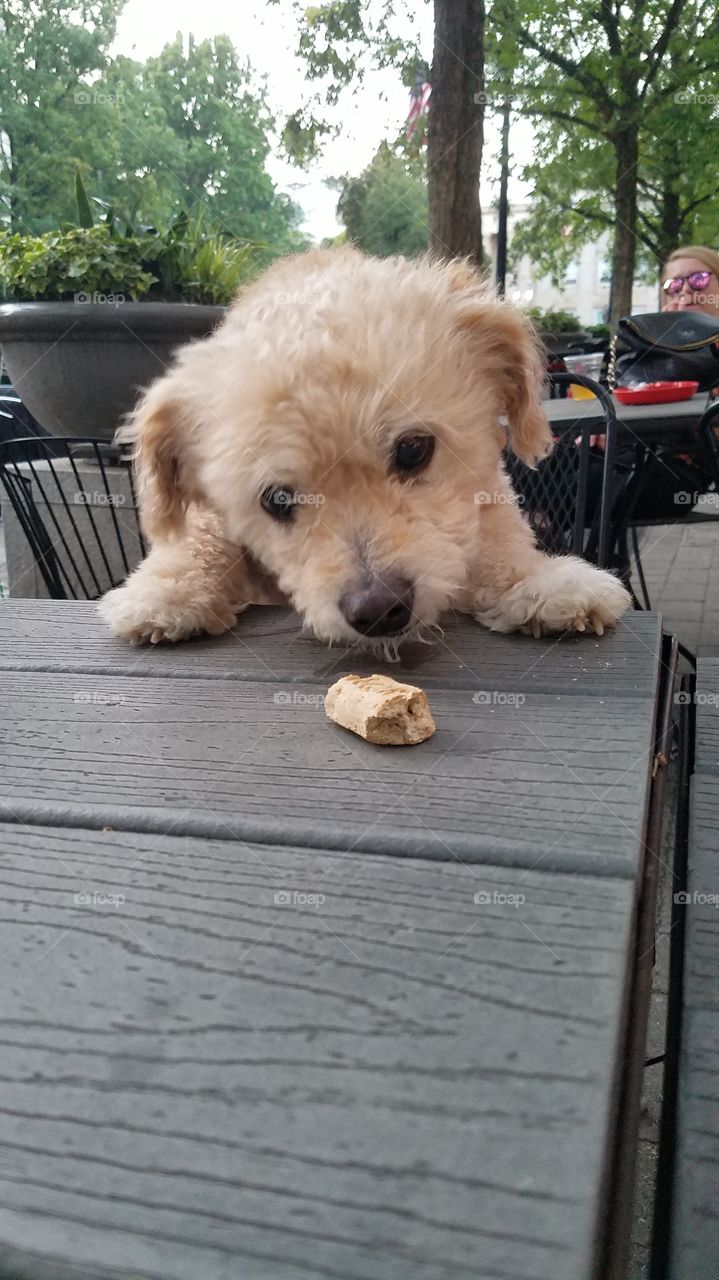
(628, 518)
(83, 533)
(569, 498)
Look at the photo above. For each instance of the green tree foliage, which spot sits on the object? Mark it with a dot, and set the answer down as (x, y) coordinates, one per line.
(572, 181)
(187, 130)
(340, 39)
(606, 82)
(220, 119)
(47, 51)
(384, 210)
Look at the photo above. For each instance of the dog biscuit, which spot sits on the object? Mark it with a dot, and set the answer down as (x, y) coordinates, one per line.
(380, 710)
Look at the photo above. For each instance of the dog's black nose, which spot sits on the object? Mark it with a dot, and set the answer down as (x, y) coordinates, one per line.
(379, 606)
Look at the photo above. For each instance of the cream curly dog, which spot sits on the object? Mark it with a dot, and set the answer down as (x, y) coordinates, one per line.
(336, 444)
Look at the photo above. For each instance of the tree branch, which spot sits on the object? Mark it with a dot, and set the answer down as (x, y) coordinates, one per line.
(695, 203)
(647, 239)
(608, 19)
(652, 187)
(676, 86)
(594, 88)
(561, 115)
(597, 216)
(657, 53)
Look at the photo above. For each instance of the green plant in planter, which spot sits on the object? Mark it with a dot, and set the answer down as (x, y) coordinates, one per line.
(61, 264)
(554, 321)
(182, 263)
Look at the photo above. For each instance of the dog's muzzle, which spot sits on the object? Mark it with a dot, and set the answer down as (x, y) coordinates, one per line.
(379, 606)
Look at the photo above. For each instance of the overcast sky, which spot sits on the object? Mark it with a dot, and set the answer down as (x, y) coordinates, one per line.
(266, 34)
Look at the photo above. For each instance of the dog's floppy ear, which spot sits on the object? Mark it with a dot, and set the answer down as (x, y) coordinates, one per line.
(508, 355)
(161, 467)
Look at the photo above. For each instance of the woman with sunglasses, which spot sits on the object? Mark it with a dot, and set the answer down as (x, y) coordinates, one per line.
(690, 280)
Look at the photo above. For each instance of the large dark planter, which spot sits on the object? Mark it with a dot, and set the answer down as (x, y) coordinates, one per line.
(78, 366)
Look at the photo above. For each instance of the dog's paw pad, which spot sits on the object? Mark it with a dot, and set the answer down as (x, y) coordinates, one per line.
(141, 619)
(567, 594)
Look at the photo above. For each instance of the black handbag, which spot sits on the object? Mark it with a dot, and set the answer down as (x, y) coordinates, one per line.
(668, 346)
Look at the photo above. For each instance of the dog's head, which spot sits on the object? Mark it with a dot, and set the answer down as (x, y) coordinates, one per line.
(342, 422)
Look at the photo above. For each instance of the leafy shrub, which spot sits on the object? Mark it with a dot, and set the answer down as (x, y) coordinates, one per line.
(181, 263)
(59, 264)
(555, 321)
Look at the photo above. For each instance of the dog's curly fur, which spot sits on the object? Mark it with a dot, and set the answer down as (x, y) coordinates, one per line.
(318, 369)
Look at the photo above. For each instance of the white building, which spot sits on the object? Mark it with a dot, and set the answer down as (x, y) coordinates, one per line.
(585, 288)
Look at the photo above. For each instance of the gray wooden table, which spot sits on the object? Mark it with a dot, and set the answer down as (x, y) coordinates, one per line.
(695, 1228)
(280, 1004)
(637, 421)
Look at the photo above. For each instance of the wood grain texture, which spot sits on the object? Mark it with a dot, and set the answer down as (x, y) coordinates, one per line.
(695, 1234)
(557, 781)
(268, 644)
(701, 962)
(707, 714)
(397, 1082)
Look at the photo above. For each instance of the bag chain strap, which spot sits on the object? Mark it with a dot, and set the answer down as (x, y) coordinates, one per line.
(612, 363)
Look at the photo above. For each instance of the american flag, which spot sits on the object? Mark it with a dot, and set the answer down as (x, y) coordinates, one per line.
(418, 104)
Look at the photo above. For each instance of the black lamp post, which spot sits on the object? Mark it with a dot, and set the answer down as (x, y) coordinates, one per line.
(503, 209)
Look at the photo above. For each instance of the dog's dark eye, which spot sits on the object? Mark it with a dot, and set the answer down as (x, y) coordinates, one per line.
(413, 453)
(279, 503)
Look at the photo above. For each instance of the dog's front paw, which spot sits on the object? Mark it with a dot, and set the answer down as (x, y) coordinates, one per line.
(142, 616)
(566, 594)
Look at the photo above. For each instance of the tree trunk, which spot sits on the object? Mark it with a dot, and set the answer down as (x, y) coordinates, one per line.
(455, 134)
(671, 222)
(626, 152)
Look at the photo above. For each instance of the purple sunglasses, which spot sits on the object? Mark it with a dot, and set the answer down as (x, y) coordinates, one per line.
(697, 280)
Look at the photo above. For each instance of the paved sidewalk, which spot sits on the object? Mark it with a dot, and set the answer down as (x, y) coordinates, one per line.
(681, 567)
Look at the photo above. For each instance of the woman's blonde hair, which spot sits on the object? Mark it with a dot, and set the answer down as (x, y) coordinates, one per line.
(709, 257)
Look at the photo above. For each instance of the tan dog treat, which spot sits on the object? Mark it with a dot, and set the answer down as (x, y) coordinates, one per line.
(380, 710)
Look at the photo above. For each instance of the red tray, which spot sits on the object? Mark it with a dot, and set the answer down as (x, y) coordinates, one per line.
(656, 392)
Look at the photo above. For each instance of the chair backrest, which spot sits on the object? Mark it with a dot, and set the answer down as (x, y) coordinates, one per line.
(568, 497)
(74, 502)
(709, 438)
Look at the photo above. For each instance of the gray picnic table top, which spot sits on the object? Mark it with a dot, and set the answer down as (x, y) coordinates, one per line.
(278, 1004)
(695, 1229)
(638, 420)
